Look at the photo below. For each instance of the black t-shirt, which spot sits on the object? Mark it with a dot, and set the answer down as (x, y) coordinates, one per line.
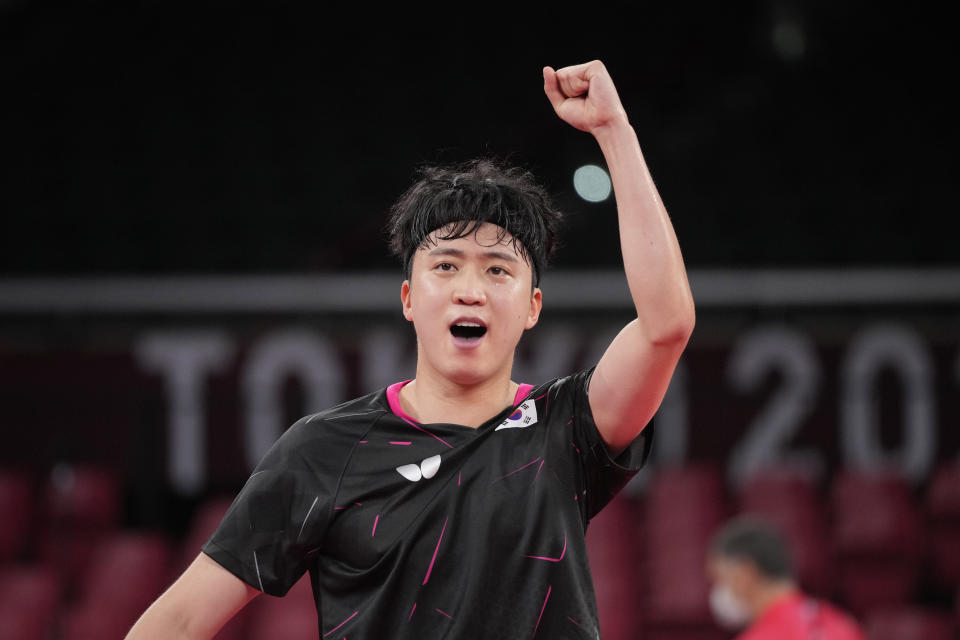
(435, 530)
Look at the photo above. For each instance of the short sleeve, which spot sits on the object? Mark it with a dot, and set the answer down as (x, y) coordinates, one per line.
(604, 475)
(274, 526)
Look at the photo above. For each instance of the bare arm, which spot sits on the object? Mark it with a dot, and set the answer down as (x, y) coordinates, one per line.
(196, 606)
(631, 378)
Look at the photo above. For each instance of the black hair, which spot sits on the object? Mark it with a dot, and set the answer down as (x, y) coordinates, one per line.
(466, 195)
(756, 541)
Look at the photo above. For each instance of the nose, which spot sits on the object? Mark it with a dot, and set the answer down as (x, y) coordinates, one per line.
(468, 291)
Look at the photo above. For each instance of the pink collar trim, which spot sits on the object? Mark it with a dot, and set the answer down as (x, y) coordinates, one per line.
(522, 392)
(393, 397)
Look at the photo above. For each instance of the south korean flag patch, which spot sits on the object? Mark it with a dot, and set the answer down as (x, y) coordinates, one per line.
(523, 416)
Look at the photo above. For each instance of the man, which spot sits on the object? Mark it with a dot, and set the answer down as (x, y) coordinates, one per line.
(753, 585)
(454, 505)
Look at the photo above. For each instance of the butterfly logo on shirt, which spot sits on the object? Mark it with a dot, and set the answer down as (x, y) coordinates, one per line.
(426, 469)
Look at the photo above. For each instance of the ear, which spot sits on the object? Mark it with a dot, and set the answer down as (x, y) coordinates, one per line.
(405, 300)
(536, 303)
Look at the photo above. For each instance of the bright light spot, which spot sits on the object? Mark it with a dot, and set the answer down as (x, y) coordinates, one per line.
(592, 183)
(789, 40)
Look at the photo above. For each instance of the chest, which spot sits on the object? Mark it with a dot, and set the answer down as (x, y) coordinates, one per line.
(518, 487)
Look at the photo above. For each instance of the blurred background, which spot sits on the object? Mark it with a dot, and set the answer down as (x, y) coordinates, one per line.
(192, 256)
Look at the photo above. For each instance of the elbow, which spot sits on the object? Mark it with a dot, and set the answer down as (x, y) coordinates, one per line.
(677, 330)
(689, 322)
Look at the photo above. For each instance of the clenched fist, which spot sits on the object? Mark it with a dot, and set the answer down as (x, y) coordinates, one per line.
(583, 95)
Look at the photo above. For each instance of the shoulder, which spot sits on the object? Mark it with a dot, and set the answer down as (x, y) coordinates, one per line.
(313, 451)
(359, 410)
(570, 384)
(343, 423)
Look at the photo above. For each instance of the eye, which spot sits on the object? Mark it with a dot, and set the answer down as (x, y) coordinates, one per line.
(445, 266)
(498, 271)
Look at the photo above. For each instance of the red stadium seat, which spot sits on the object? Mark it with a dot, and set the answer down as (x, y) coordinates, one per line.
(769, 488)
(82, 497)
(292, 617)
(80, 505)
(684, 508)
(678, 587)
(127, 572)
(685, 503)
(678, 633)
(909, 623)
(29, 597)
(17, 624)
(613, 545)
(69, 555)
(877, 540)
(789, 500)
(94, 621)
(956, 609)
(16, 505)
(942, 506)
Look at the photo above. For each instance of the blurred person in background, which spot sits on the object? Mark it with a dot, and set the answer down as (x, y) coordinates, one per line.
(753, 588)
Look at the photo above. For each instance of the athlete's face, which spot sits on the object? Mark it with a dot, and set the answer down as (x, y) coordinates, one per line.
(470, 300)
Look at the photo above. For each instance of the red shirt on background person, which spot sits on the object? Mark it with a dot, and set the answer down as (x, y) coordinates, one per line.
(797, 616)
(753, 588)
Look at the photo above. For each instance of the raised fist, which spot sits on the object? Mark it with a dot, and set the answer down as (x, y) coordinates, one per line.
(583, 95)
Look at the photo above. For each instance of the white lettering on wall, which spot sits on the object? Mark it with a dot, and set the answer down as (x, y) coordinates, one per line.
(901, 351)
(185, 359)
(758, 354)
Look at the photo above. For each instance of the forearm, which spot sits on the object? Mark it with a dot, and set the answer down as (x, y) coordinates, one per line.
(652, 260)
(196, 605)
(160, 621)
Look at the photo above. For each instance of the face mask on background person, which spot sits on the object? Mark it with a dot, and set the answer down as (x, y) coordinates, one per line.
(728, 610)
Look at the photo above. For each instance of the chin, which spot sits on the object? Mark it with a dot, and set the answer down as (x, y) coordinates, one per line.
(469, 367)
(468, 371)
(466, 375)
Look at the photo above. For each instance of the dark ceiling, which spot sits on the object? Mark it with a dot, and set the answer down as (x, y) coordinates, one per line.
(146, 137)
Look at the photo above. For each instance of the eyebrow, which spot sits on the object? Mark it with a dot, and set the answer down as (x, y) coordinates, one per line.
(449, 251)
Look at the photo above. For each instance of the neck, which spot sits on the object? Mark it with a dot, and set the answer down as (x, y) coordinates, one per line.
(431, 397)
(770, 595)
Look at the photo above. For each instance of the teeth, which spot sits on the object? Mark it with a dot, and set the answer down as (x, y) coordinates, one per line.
(469, 324)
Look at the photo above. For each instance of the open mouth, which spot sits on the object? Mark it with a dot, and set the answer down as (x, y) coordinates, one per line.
(467, 330)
